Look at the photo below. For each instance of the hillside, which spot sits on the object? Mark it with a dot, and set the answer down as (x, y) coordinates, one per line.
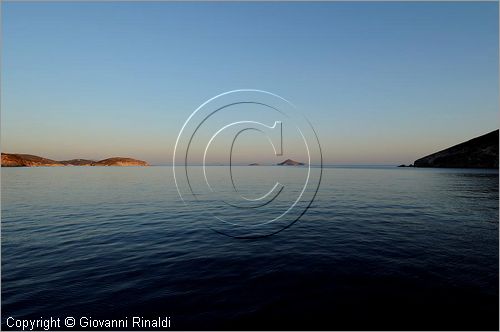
(119, 161)
(27, 160)
(78, 162)
(479, 152)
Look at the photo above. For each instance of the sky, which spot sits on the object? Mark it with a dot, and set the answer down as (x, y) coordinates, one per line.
(381, 83)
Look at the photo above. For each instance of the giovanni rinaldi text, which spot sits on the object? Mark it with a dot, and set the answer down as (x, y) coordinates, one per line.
(50, 323)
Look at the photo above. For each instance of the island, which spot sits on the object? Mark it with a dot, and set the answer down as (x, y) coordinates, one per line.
(120, 161)
(290, 162)
(28, 160)
(479, 152)
(254, 164)
(78, 162)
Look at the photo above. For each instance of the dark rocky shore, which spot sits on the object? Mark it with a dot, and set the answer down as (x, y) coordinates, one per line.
(479, 152)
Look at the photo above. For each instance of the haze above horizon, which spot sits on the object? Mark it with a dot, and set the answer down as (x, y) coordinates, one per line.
(382, 83)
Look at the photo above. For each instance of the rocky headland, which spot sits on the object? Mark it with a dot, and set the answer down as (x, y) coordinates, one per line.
(479, 152)
(27, 160)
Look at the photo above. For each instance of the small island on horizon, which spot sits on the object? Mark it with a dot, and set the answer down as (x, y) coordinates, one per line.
(28, 160)
(290, 162)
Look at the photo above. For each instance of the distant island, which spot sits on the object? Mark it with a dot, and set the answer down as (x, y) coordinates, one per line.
(27, 160)
(290, 162)
(479, 152)
(254, 164)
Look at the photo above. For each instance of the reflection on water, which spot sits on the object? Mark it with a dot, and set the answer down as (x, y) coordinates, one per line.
(380, 248)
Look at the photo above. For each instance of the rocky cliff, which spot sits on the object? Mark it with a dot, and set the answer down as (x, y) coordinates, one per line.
(26, 160)
(479, 152)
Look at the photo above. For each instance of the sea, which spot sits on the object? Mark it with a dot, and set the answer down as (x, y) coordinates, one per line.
(379, 248)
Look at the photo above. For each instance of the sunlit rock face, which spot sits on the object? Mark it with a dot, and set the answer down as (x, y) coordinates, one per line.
(26, 160)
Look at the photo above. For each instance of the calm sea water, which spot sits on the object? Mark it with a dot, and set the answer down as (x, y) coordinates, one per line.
(380, 248)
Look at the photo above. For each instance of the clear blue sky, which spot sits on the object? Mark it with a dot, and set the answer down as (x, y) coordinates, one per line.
(380, 82)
